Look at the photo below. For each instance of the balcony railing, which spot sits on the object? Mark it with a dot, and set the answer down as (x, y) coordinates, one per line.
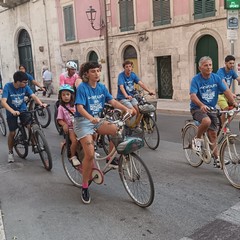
(12, 3)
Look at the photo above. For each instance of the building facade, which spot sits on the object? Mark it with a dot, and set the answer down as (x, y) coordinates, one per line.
(164, 38)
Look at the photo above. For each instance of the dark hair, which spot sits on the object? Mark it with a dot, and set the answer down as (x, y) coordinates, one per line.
(229, 58)
(61, 102)
(81, 70)
(20, 76)
(89, 65)
(21, 65)
(126, 62)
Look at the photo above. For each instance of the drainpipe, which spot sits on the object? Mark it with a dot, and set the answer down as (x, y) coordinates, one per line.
(48, 47)
(107, 46)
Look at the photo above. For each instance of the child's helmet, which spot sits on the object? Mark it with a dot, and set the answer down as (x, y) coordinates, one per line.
(66, 87)
(71, 65)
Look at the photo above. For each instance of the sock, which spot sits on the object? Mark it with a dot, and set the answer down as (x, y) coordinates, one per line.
(85, 185)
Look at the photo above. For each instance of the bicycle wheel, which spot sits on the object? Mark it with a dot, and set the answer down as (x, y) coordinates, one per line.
(151, 132)
(136, 179)
(43, 149)
(3, 127)
(230, 152)
(58, 127)
(73, 173)
(20, 143)
(189, 132)
(105, 139)
(43, 115)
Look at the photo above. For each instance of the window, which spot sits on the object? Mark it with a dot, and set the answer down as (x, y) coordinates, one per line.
(69, 23)
(126, 15)
(161, 12)
(204, 8)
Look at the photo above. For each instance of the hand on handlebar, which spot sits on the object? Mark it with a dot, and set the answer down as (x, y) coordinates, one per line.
(15, 113)
(151, 93)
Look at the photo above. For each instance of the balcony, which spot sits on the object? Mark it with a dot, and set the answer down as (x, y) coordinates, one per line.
(12, 3)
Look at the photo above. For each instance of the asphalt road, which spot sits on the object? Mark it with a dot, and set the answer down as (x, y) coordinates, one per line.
(190, 203)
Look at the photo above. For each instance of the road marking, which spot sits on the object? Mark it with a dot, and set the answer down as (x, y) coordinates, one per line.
(2, 234)
(226, 225)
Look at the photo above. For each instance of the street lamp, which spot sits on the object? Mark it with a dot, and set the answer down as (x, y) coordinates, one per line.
(91, 16)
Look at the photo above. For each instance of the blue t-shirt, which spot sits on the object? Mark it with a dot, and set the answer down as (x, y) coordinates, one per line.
(92, 99)
(227, 76)
(15, 97)
(128, 83)
(207, 90)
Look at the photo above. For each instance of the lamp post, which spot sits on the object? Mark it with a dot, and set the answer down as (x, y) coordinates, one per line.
(91, 16)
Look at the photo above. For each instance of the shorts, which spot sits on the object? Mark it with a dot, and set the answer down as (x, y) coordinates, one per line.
(83, 127)
(12, 123)
(198, 115)
(222, 101)
(129, 103)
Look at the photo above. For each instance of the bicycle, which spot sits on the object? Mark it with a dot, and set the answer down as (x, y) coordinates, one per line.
(150, 132)
(227, 143)
(133, 172)
(22, 140)
(3, 126)
(42, 114)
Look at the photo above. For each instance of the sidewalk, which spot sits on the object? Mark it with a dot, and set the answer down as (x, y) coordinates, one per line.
(162, 105)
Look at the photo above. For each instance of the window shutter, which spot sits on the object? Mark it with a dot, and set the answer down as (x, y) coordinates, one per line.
(126, 15)
(204, 8)
(69, 23)
(161, 12)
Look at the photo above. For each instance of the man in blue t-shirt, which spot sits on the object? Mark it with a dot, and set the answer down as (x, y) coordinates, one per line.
(126, 80)
(90, 99)
(13, 101)
(228, 74)
(204, 90)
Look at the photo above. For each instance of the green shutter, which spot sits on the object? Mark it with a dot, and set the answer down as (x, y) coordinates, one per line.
(204, 8)
(161, 12)
(126, 15)
(69, 23)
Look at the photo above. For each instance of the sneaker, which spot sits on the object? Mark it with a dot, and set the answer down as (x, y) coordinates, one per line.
(226, 130)
(114, 163)
(75, 161)
(10, 158)
(197, 144)
(85, 196)
(97, 155)
(35, 149)
(216, 162)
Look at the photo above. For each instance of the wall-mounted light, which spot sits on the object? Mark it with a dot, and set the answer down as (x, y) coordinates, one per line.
(91, 16)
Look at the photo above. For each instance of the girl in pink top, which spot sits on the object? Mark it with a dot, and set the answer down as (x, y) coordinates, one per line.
(65, 118)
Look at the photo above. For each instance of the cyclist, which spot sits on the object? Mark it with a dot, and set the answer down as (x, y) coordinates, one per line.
(228, 74)
(13, 102)
(90, 99)
(204, 90)
(31, 81)
(126, 80)
(70, 76)
(66, 111)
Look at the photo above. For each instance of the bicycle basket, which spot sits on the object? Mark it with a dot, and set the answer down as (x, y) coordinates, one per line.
(146, 108)
(117, 139)
(25, 118)
(130, 145)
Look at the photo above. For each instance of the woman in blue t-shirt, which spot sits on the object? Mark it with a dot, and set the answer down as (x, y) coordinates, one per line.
(90, 99)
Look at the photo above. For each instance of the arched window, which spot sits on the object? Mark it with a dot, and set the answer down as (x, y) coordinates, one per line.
(130, 52)
(93, 57)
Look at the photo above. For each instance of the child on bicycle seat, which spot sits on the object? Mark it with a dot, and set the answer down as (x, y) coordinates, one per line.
(65, 118)
(13, 102)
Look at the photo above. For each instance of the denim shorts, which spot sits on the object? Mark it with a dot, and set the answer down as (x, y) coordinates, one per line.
(83, 127)
(129, 103)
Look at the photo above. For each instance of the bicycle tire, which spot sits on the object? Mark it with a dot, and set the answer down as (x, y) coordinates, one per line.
(73, 173)
(43, 149)
(105, 140)
(151, 134)
(230, 151)
(57, 125)
(3, 126)
(20, 143)
(43, 116)
(136, 179)
(189, 132)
